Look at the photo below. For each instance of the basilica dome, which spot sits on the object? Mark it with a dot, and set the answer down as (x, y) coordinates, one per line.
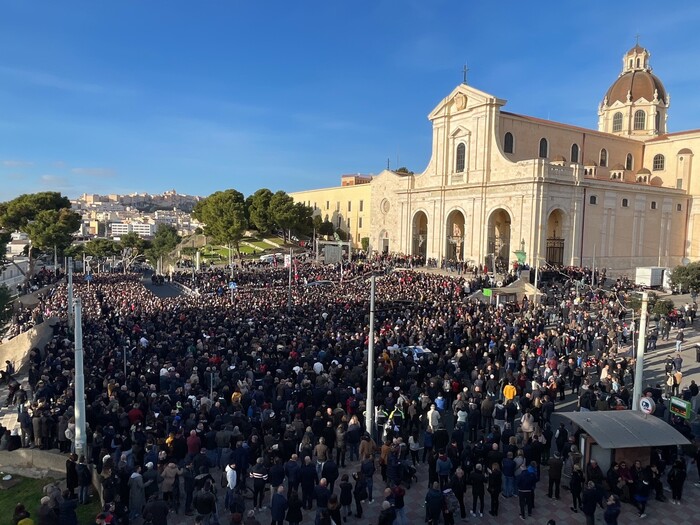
(639, 84)
(636, 81)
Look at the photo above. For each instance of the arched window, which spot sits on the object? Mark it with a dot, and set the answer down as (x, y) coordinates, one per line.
(629, 165)
(544, 148)
(640, 119)
(461, 153)
(617, 122)
(657, 122)
(593, 200)
(508, 142)
(659, 162)
(625, 203)
(574, 153)
(603, 158)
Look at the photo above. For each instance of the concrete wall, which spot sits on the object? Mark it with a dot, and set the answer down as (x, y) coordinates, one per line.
(17, 349)
(34, 458)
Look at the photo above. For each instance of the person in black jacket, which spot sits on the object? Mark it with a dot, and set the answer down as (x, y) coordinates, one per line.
(72, 474)
(204, 502)
(576, 486)
(308, 479)
(458, 482)
(387, 515)
(84, 481)
(345, 496)
(433, 504)
(294, 514)
(589, 502)
(359, 493)
(494, 483)
(477, 479)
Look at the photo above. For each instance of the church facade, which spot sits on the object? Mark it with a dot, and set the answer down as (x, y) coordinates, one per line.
(617, 197)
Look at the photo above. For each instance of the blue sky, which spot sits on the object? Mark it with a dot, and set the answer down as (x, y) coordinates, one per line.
(125, 96)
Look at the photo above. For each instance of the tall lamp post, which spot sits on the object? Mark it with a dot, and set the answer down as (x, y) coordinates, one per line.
(80, 433)
(639, 364)
(369, 409)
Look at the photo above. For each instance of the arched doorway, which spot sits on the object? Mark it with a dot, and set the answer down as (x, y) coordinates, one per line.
(383, 246)
(498, 247)
(454, 247)
(420, 234)
(555, 238)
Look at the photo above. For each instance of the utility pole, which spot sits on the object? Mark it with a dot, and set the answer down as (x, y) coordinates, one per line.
(79, 409)
(639, 365)
(289, 290)
(369, 410)
(69, 268)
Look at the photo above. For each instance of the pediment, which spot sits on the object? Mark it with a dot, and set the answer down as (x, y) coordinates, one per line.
(463, 98)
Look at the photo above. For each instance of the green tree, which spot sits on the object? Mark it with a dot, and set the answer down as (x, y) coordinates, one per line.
(259, 211)
(101, 249)
(132, 247)
(663, 307)
(283, 212)
(5, 307)
(45, 217)
(164, 243)
(365, 243)
(224, 217)
(404, 169)
(5, 295)
(75, 251)
(327, 228)
(304, 223)
(686, 277)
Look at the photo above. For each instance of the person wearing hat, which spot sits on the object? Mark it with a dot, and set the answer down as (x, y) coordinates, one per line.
(151, 480)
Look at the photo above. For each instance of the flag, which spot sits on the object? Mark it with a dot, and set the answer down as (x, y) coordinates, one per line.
(486, 292)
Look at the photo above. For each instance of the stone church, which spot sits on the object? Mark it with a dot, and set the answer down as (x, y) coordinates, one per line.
(617, 197)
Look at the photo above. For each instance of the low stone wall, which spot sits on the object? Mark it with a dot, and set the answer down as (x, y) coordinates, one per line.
(34, 463)
(34, 458)
(16, 350)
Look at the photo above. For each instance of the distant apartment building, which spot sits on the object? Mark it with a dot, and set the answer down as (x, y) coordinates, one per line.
(142, 229)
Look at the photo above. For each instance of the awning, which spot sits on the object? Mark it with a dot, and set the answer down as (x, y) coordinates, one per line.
(626, 429)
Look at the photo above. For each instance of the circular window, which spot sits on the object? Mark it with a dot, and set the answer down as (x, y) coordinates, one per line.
(386, 206)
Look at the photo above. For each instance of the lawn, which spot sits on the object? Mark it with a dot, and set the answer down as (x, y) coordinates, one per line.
(29, 492)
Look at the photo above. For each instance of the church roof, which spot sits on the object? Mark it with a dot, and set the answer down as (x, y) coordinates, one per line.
(639, 84)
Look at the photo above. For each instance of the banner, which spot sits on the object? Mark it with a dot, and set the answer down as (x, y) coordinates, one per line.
(486, 292)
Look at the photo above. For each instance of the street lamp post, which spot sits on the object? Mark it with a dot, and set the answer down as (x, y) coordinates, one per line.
(369, 409)
(80, 433)
(639, 364)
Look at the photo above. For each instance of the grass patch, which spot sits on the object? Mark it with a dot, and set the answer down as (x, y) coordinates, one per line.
(29, 492)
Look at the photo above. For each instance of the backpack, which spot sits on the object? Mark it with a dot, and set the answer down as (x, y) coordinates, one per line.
(450, 503)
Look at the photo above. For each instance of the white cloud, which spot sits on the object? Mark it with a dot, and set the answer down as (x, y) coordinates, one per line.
(55, 182)
(49, 80)
(17, 164)
(94, 172)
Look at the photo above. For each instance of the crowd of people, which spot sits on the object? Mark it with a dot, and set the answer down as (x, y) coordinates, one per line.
(275, 397)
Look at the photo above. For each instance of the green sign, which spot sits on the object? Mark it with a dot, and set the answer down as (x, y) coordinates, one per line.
(681, 408)
(486, 292)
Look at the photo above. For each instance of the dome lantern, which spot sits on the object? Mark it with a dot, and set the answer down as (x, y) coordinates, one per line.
(635, 105)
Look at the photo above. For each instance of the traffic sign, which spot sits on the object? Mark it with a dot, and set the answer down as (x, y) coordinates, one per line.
(88, 277)
(232, 285)
(647, 405)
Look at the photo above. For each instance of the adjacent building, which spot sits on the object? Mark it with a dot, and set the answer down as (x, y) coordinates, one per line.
(619, 196)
